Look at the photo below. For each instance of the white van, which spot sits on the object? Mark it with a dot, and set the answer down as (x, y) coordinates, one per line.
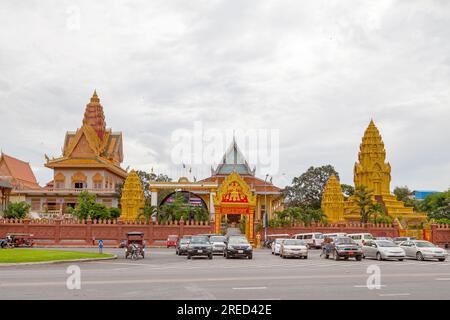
(313, 240)
(334, 235)
(361, 238)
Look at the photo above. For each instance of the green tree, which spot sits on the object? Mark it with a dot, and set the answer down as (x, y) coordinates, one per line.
(348, 190)
(307, 189)
(149, 212)
(437, 205)
(17, 210)
(404, 194)
(363, 198)
(114, 213)
(87, 207)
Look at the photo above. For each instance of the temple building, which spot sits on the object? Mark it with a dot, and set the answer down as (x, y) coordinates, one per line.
(232, 194)
(90, 161)
(371, 171)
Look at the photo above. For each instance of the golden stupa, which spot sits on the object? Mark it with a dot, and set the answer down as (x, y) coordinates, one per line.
(132, 198)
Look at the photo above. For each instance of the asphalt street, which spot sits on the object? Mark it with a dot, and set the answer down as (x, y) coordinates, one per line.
(163, 275)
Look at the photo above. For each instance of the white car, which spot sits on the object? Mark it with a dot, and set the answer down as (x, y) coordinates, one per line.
(382, 250)
(276, 246)
(294, 248)
(313, 240)
(219, 244)
(423, 250)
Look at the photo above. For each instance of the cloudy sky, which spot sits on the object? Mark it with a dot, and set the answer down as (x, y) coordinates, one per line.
(315, 72)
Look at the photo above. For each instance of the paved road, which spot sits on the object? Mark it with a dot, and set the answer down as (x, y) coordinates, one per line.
(163, 275)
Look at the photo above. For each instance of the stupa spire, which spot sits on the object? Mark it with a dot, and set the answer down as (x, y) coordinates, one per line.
(333, 200)
(371, 170)
(94, 116)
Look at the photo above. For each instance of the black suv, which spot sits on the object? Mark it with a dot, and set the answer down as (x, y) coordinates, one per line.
(238, 247)
(345, 247)
(199, 246)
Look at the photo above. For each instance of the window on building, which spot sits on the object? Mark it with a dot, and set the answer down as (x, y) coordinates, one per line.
(79, 185)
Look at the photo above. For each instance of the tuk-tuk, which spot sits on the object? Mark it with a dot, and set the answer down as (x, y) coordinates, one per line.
(20, 239)
(135, 246)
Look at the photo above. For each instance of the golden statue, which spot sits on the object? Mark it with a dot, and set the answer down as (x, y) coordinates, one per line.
(132, 197)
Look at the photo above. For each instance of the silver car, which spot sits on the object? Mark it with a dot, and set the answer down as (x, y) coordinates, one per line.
(219, 244)
(276, 246)
(382, 250)
(423, 250)
(294, 248)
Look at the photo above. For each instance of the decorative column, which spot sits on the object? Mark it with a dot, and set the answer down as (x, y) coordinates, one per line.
(154, 197)
(251, 225)
(217, 223)
(212, 209)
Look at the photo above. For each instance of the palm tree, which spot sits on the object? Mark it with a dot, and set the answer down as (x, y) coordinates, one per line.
(364, 200)
(149, 212)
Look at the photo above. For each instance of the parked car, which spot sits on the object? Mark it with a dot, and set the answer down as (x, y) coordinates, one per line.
(172, 241)
(382, 250)
(238, 247)
(423, 250)
(344, 247)
(199, 246)
(399, 240)
(294, 248)
(361, 238)
(182, 246)
(385, 238)
(313, 240)
(219, 243)
(276, 245)
(271, 238)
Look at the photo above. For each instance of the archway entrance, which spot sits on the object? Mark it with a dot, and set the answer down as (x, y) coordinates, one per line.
(235, 201)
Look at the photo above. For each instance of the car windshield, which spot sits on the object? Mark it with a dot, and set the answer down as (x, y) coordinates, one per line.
(294, 242)
(279, 241)
(196, 240)
(218, 239)
(184, 241)
(238, 241)
(386, 244)
(345, 241)
(173, 238)
(424, 244)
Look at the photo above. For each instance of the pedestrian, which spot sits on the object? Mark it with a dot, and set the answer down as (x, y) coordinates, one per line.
(93, 241)
(100, 246)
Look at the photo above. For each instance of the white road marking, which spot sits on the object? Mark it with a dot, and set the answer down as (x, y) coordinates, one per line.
(394, 294)
(251, 288)
(442, 279)
(365, 286)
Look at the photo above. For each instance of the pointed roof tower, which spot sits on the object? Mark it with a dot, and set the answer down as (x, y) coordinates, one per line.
(234, 161)
(372, 170)
(94, 116)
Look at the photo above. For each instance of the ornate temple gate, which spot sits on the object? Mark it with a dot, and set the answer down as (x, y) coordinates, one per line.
(235, 198)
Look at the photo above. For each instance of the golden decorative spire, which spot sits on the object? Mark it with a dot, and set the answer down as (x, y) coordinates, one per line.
(132, 197)
(94, 116)
(371, 170)
(333, 200)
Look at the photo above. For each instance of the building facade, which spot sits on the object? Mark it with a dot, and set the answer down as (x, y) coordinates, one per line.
(90, 161)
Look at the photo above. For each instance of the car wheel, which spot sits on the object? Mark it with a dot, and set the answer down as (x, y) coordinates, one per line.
(336, 256)
(189, 257)
(305, 257)
(441, 260)
(400, 259)
(358, 258)
(345, 258)
(210, 256)
(419, 256)
(379, 257)
(250, 257)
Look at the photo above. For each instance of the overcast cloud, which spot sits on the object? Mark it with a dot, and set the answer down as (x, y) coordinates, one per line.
(317, 71)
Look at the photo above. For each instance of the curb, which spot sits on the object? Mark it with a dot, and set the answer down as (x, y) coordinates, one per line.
(114, 257)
